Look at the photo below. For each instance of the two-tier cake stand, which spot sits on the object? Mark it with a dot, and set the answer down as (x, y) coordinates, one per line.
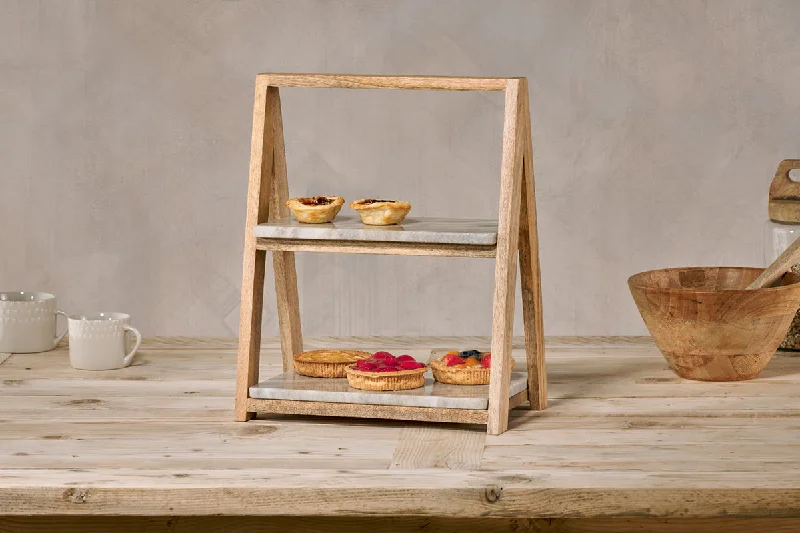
(514, 234)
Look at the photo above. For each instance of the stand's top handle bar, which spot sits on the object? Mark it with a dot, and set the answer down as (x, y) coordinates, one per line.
(354, 81)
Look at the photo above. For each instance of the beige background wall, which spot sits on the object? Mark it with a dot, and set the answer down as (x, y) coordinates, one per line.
(124, 145)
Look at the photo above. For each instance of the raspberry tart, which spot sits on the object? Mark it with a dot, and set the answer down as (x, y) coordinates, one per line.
(326, 363)
(316, 209)
(469, 367)
(380, 212)
(383, 371)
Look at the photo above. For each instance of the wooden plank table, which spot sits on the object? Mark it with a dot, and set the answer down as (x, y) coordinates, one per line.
(624, 446)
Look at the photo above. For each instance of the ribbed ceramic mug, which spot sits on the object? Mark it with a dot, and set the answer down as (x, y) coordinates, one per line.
(98, 341)
(28, 322)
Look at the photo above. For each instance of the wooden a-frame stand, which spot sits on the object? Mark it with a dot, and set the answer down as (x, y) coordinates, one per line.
(516, 236)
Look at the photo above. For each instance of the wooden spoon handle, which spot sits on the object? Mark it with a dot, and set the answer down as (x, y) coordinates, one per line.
(778, 268)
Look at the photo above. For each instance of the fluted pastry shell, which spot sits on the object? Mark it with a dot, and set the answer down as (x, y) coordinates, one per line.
(326, 363)
(471, 375)
(304, 210)
(400, 380)
(380, 212)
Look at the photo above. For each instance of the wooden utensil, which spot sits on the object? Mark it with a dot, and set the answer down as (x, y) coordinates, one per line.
(779, 267)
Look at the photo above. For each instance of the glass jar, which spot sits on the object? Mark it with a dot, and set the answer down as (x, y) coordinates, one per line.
(782, 229)
(777, 238)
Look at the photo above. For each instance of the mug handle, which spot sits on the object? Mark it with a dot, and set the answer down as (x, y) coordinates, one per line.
(129, 357)
(59, 337)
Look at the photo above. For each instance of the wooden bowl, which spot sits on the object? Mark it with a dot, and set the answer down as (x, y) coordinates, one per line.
(707, 326)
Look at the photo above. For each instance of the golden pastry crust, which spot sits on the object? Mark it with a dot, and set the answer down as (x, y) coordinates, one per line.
(380, 212)
(315, 209)
(471, 375)
(401, 380)
(326, 363)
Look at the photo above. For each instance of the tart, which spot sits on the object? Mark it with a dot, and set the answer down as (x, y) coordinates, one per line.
(326, 363)
(380, 212)
(470, 367)
(383, 371)
(315, 209)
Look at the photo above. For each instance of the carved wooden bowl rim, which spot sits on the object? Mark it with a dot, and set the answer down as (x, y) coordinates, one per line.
(641, 280)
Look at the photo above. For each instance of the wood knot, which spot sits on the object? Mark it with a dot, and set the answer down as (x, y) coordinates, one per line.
(493, 493)
(76, 496)
(658, 380)
(253, 430)
(86, 401)
(639, 424)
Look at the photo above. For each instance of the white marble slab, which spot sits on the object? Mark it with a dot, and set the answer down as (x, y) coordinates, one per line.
(291, 386)
(430, 230)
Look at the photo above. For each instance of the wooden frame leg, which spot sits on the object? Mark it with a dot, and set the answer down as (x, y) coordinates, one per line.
(249, 329)
(530, 276)
(283, 264)
(254, 262)
(506, 261)
(288, 306)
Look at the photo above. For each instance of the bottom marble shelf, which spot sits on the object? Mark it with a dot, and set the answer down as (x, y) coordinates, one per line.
(291, 386)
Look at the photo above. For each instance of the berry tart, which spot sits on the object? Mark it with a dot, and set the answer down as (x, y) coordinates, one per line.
(470, 367)
(326, 363)
(316, 209)
(380, 212)
(383, 371)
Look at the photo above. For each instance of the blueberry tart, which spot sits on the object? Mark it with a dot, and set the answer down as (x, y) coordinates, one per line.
(468, 367)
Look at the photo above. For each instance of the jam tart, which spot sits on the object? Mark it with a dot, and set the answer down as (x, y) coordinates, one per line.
(469, 367)
(383, 372)
(315, 209)
(377, 212)
(326, 363)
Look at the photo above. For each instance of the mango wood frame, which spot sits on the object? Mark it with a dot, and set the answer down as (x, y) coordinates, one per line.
(516, 234)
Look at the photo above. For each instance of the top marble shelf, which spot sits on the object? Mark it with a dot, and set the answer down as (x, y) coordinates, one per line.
(422, 229)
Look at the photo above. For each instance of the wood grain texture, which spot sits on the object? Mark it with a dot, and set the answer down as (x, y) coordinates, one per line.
(254, 260)
(505, 274)
(3, 357)
(385, 248)
(192, 343)
(439, 447)
(354, 81)
(517, 399)
(478, 495)
(784, 194)
(326, 479)
(622, 436)
(355, 410)
(397, 524)
(708, 326)
(285, 271)
(530, 275)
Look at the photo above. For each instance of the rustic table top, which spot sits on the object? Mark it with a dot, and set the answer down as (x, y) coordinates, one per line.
(623, 436)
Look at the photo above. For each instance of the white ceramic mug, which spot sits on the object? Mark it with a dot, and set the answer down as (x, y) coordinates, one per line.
(28, 322)
(97, 341)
